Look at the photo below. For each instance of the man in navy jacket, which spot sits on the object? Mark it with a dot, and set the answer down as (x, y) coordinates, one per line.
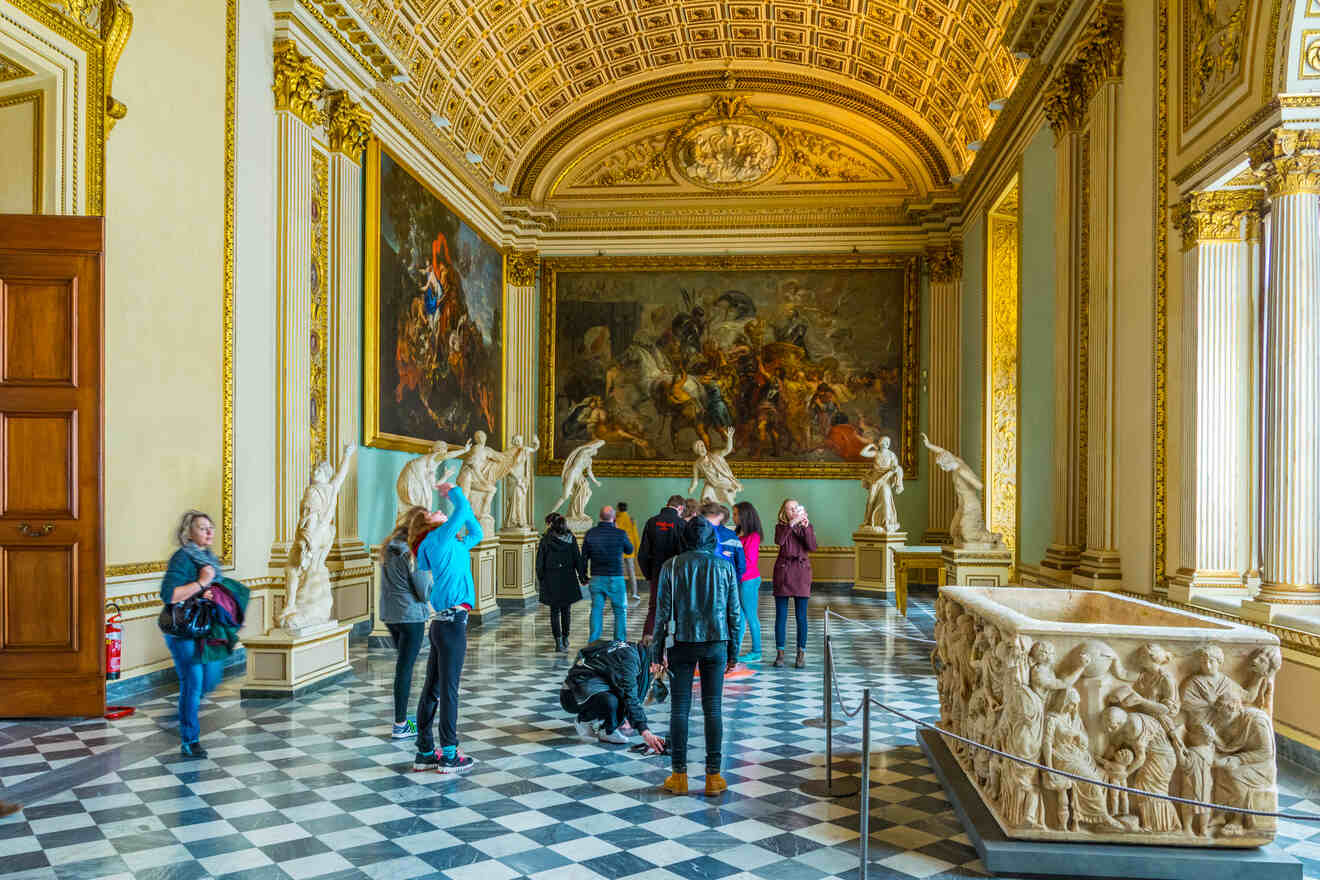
(604, 547)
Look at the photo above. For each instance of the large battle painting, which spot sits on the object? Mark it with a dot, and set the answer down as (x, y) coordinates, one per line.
(434, 317)
(805, 359)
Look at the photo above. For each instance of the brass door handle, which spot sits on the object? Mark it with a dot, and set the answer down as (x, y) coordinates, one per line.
(29, 532)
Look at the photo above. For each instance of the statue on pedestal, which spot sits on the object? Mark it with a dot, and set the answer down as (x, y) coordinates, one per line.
(478, 477)
(418, 479)
(968, 527)
(883, 482)
(577, 489)
(721, 485)
(307, 597)
(518, 481)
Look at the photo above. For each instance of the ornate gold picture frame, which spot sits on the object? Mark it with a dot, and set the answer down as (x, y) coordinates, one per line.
(805, 358)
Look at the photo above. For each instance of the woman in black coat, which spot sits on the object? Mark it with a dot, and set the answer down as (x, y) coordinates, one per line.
(560, 573)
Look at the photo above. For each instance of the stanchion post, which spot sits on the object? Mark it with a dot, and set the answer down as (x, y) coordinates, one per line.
(826, 719)
(844, 787)
(864, 798)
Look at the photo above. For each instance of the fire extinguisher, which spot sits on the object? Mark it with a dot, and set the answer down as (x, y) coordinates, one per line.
(114, 642)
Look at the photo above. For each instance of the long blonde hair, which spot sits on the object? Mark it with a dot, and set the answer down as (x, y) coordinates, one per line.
(783, 510)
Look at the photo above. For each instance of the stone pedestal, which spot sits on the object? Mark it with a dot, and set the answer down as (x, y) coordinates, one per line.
(282, 664)
(516, 590)
(964, 567)
(484, 557)
(873, 561)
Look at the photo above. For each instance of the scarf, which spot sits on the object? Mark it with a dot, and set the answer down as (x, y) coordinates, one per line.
(203, 556)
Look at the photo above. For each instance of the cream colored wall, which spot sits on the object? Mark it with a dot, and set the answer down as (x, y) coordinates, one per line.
(19, 115)
(163, 287)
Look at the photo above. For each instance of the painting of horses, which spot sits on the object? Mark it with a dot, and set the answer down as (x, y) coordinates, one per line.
(803, 359)
(434, 317)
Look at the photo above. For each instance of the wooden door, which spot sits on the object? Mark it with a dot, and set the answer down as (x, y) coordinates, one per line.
(52, 585)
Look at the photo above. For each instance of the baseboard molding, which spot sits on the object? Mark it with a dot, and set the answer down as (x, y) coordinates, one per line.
(1298, 752)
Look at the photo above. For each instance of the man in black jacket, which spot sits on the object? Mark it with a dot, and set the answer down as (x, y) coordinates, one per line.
(607, 684)
(698, 593)
(661, 541)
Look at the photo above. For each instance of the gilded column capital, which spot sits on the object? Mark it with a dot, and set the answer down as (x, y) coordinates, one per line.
(945, 265)
(521, 268)
(1100, 49)
(1215, 216)
(1065, 104)
(348, 124)
(299, 84)
(1287, 161)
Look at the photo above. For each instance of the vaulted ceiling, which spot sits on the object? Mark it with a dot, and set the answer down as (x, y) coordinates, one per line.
(517, 82)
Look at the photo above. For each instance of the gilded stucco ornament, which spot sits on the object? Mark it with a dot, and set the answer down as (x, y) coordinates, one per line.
(299, 84)
(1097, 59)
(727, 146)
(521, 268)
(1287, 162)
(945, 265)
(1214, 216)
(348, 124)
(1213, 36)
(11, 70)
(111, 21)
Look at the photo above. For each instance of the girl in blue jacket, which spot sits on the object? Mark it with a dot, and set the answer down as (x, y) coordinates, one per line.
(443, 555)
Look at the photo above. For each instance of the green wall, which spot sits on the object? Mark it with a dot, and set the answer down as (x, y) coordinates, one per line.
(1036, 340)
(835, 505)
(973, 341)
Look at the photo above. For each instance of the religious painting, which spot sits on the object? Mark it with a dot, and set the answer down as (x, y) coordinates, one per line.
(798, 362)
(434, 316)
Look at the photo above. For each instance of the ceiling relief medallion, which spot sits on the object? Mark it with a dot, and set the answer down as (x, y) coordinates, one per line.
(728, 146)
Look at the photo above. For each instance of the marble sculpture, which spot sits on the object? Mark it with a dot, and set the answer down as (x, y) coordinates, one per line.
(884, 481)
(307, 596)
(967, 530)
(478, 478)
(721, 485)
(1113, 689)
(518, 479)
(418, 480)
(577, 478)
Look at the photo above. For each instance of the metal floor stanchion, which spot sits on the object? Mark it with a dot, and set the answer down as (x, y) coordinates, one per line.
(829, 786)
(826, 718)
(864, 797)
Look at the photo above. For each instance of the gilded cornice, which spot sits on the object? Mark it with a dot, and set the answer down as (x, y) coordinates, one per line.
(520, 268)
(1033, 24)
(349, 126)
(1287, 162)
(1214, 216)
(299, 84)
(945, 265)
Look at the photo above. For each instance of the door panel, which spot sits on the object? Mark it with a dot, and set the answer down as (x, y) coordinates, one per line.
(52, 557)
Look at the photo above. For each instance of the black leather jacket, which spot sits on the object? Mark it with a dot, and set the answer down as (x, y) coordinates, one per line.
(698, 593)
(621, 667)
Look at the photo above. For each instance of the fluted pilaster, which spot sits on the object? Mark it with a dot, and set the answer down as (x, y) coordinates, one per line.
(945, 336)
(1213, 549)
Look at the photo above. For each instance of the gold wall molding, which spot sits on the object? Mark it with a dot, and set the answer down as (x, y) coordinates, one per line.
(38, 101)
(319, 301)
(1214, 216)
(520, 268)
(946, 264)
(1227, 141)
(1287, 161)
(110, 21)
(1160, 352)
(1003, 295)
(299, 84)
(11, 70)
(348, 125)
(1084, 337)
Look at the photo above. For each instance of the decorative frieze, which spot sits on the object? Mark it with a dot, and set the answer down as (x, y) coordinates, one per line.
(348, 125)
(299, 84)
(1215, 216)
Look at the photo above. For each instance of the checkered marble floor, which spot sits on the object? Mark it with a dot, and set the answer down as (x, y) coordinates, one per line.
(315, 787)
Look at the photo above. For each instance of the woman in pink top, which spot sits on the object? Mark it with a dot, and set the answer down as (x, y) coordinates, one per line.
(748, 524)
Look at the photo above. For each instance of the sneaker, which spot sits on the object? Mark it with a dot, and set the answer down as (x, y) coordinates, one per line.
(427, 761)
(585, 728)
(406, 730)
(192, 750)
(615, 738)
(460, 763)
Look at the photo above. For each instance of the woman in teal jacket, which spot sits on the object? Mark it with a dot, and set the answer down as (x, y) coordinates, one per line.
(444, 555)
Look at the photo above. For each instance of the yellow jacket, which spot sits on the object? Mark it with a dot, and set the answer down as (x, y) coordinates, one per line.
(625, 522)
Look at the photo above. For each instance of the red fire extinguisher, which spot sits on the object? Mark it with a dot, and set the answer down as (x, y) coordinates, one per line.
(114, 642)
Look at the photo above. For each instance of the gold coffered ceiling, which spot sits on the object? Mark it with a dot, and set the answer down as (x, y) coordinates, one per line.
(511, 76)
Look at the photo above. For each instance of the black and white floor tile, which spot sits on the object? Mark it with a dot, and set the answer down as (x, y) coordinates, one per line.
(315, 788)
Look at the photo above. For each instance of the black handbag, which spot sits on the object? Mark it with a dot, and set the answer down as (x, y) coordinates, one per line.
(189, 619)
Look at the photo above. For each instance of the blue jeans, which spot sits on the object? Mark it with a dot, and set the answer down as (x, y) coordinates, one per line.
(196, 680)
(684, 657)
(748, 591)
(781, 620)
(610, 587)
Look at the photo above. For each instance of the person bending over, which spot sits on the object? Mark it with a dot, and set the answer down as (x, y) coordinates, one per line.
(607, 684)
(699, 591)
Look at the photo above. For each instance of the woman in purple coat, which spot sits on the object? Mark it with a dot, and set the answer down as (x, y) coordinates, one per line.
(792, 577)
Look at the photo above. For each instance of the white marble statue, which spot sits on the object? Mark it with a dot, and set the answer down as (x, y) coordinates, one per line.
(577, 490)
(478, 477)
(307, 597)
(721, 485)
(968, 527)
(518, 481)
(883, 482)
(418, 479)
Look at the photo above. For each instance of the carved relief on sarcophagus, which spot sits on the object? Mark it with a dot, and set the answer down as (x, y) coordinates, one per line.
(1116, 690)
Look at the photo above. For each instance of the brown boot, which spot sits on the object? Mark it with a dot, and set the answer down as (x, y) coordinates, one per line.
(801, 659)
(676, 783)
(715, 784)
(779, 657)
(9, 807)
